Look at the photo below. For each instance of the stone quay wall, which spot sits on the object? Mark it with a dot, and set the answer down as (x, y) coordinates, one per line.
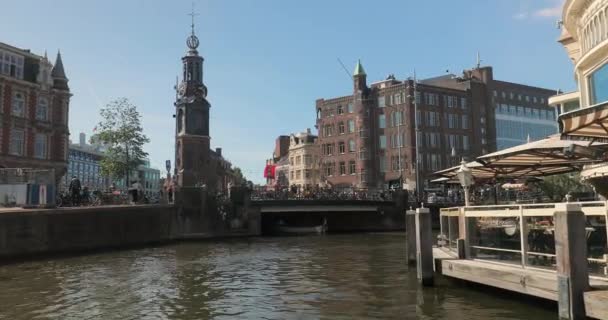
(27, 233)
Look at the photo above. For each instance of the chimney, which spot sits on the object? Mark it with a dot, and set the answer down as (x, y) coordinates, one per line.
(83, 139)
(218, 151)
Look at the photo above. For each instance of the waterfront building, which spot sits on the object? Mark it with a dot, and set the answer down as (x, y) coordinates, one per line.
(147, 176)
(583, 35)
(34, 99)
(84, 162)
(304, 168)
(276, 170)
(368, 139)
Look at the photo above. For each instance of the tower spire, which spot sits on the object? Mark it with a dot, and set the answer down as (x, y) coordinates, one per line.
(192, 41)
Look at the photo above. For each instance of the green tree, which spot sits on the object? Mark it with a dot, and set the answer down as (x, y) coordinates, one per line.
(120, 130)
(558, 186)
(239, 178)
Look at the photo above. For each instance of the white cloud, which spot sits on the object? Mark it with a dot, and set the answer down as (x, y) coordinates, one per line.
(550, 12)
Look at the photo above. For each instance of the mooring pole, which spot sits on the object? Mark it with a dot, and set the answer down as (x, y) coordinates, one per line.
(571, 257)
(424, 247)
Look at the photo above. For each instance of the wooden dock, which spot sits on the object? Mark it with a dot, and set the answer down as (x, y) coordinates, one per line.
(529, 281)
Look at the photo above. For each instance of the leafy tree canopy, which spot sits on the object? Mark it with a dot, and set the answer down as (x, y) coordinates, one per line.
(120, 130)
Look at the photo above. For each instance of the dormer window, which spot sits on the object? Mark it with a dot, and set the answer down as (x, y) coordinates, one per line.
(11, 65)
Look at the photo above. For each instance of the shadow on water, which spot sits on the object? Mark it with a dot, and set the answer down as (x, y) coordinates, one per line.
(349, 276)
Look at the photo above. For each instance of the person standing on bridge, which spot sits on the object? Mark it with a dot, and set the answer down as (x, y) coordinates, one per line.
(74, 189)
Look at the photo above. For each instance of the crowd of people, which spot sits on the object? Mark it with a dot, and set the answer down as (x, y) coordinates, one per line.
(295, 192)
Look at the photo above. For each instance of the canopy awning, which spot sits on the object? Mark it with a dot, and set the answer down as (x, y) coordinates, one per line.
(586, 123)
(547, 156)
(477, 169)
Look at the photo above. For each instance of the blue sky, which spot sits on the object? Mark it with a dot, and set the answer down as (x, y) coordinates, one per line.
(267, 61)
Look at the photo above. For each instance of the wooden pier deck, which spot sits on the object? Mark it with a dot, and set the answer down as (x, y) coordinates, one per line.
(528, 281)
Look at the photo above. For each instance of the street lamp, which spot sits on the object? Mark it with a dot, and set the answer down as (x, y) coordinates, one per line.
(465, 176)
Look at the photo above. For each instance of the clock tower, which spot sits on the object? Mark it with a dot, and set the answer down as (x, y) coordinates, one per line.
(192, 141)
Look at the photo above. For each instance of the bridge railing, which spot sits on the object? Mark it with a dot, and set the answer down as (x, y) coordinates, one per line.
(522, 235)
(324, 194)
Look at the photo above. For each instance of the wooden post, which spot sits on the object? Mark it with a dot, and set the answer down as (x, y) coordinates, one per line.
(571, 256)
(461, 249)
(410, 233)
(424, 247)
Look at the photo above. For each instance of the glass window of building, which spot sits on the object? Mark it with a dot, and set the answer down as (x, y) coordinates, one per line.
(465, 121)
(511, 95)
(341, 147)
(382, 142)
(18, 107)
(351, 126)
(599, 85)
(381, 102)
(17, 142)
(382, 163)
(42, 109)
(341, 128)
(381, 121)
(349, 108)
(40, 148)
(351, 146)
(352, 168)
(340, 109)
(342, 168)
(465, 142)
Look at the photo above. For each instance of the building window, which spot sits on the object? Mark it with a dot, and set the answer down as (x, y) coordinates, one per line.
(291, 161)
(351, 146)
(381, 102)
(382, 163)
(381, 121)
(307, 159)
(341, 128)
(342, 168)
(351, 126)
(397, 98)
(291, 175)
(352, 168)
(298, 160)
(599, 85)
(341, 147)
(298, 174)
(465, 121)
(40, 146)
(340, 110)
(42, 109)
(349, 108)
(463, 103)
(465, 143)
(396, 118)
(11, 65)
(17, 142)
(382, 142)
(307, 174)
(18, 108)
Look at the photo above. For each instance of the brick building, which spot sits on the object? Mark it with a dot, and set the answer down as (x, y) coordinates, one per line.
(196, 164)
(34, 105)
(368, 139)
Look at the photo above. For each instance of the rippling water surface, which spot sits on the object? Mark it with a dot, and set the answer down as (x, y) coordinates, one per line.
(361, 276)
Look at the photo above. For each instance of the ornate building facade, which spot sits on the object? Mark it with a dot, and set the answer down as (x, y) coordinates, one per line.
(34, 108)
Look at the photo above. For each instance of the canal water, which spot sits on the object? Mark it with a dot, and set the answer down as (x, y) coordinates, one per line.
(360, 276)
